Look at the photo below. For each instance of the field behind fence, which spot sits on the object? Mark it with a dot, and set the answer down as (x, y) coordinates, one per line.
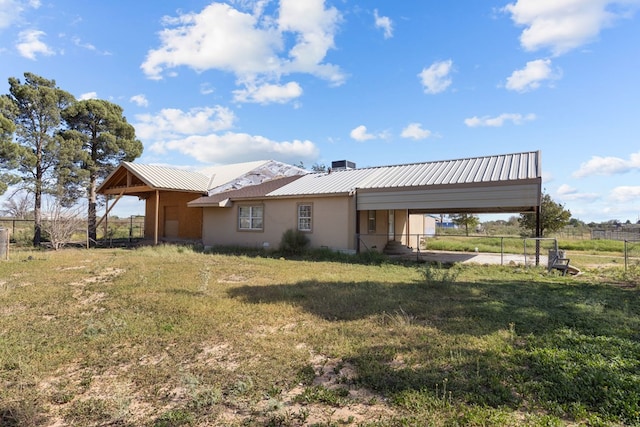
(21, 230)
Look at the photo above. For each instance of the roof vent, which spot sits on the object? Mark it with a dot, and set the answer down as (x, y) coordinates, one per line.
(338, 165)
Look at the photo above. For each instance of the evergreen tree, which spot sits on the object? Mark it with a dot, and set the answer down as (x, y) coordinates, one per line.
(98, 137)
(34, 108)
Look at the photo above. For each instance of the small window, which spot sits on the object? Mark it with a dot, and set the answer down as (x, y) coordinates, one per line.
(250, 217)
(304, 217)
(372, 221)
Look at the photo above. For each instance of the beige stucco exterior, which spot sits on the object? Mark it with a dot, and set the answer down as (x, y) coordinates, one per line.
(408, 229)
(333, 223)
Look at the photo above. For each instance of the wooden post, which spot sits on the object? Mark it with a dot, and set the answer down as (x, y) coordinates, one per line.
(157, 218)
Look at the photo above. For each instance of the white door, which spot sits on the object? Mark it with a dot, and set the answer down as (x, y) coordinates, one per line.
(392, 225)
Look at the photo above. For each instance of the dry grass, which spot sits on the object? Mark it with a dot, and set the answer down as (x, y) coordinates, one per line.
(168, 336)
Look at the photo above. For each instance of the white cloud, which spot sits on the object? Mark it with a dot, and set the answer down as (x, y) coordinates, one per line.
(563, 25)
(29, 44)
(233, 147)
(384, 23)
(436, 79)
(415, 131)
(206, 89)
(565, 189)
(253, 46)
(608, 166)
(626, 194)
(172, 123)
(88, 95)
(140, 100)
(268, 93)
(360, 134)
(568, 193)
(197, 133)
(531, 76)
(10, 11)
(499, 121)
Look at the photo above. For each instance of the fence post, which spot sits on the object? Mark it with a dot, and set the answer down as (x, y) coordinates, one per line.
(626, 255)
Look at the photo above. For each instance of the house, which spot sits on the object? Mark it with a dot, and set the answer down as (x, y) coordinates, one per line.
(166, 192)
(345, 208)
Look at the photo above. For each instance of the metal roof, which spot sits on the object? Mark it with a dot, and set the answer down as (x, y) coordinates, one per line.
(210, 180)
(165, 178)
(498, 168)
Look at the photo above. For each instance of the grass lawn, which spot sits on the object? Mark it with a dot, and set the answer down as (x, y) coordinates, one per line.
(169, 336)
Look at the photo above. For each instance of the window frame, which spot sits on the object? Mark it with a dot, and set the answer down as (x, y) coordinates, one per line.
(252, 218)
(372, 222)
(309, 218)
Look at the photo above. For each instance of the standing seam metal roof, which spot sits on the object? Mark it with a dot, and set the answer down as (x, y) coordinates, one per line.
(169, 178)
(498, 168)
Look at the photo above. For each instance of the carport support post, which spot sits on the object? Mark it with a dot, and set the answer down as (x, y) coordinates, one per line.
(538, 235)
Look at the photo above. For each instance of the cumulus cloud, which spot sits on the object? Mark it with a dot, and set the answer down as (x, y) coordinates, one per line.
(205, 135)
(563, 25)
(384, 23)
(608, 166)
(532, 76)
(415, 131)
(268, 93)
(233, 147)
(360, 134)
(252, 45)
(498, 121)
(140, 100)
(30, 44)
(171, 123)
(88, 95)
(436, 78)
(625, 194)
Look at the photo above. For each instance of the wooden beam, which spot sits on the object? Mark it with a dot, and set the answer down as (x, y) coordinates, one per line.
(109, 209)
(128, 190)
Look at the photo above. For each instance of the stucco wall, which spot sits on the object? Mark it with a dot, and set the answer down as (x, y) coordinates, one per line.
(333, 223)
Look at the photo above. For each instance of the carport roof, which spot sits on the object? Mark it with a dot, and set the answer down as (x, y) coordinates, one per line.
(496, 169)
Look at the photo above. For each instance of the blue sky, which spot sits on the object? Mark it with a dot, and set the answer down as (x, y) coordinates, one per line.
(375, 82)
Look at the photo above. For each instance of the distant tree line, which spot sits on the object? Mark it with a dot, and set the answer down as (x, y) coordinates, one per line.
(52, 144)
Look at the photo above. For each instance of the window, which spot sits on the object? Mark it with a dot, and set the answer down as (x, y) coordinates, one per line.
(304, 217)
(372, 221)
(250, 217)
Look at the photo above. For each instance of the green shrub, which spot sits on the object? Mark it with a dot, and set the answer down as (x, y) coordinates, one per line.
(294, 242)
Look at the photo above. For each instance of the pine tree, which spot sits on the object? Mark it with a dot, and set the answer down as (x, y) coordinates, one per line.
(34, 109)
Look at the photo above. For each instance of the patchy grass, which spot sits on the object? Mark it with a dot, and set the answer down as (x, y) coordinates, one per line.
(169, 336)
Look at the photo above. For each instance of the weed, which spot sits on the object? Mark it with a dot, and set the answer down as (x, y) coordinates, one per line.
(320, 394)
(175, 418)
(205, 277)
(92, 410)
(439, 274)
